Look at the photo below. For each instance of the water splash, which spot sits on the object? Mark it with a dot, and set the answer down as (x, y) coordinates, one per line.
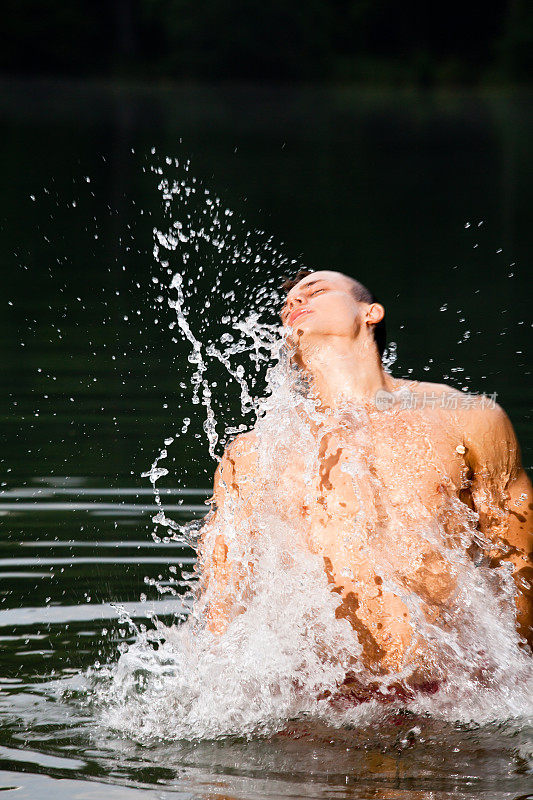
(290, 642)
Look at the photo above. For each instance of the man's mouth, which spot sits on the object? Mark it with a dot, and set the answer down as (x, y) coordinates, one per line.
(295, 314)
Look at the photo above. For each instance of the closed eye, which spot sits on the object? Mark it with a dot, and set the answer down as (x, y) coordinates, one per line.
(317, 291)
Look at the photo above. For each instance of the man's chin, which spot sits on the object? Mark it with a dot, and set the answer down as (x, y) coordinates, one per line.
(298, 334)
(298, 338)
(304, 326)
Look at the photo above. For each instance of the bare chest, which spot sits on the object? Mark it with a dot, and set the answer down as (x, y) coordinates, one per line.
(369, 470)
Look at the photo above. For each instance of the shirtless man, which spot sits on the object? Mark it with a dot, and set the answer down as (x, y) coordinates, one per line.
(435, 457)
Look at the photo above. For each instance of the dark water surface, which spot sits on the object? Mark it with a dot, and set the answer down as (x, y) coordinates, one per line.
(377, 185)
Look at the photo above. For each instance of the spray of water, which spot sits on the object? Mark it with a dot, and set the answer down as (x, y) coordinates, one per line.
(286, 650)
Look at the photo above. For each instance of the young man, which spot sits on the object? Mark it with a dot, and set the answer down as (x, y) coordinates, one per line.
(425, 455)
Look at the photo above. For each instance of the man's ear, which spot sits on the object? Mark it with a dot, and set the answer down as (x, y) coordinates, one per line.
(374, 313)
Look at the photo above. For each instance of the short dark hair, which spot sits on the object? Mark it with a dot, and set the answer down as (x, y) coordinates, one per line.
(362, 295)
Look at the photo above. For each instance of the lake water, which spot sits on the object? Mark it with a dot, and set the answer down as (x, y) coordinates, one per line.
(425, 198)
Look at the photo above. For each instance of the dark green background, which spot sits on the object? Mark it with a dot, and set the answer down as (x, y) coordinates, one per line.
(377, 184)
(368, 41)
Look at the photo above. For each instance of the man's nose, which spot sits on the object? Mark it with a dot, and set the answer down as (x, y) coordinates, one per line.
(296, 300)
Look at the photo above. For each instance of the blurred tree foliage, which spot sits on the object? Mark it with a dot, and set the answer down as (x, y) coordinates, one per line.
(368, 40)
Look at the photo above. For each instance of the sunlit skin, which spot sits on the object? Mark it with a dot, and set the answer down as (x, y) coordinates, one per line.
(420, 457)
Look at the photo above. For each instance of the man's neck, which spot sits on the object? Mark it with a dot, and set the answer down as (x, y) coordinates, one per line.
(343, 370)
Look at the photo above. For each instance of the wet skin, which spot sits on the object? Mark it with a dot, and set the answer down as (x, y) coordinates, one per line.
(414, 468)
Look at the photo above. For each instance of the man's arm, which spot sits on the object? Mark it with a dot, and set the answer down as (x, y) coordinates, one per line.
(503, 497)
(227, 534)
(520, 538)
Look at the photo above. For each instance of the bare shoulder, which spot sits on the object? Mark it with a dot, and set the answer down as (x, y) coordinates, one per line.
(483, 425)
(486, 419)
(436, 398)
(441, 390)
(242, 451)
(490, 437)
(476, 411)
(238, 465)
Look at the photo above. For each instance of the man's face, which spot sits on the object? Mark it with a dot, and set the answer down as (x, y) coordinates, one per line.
(322, 304)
